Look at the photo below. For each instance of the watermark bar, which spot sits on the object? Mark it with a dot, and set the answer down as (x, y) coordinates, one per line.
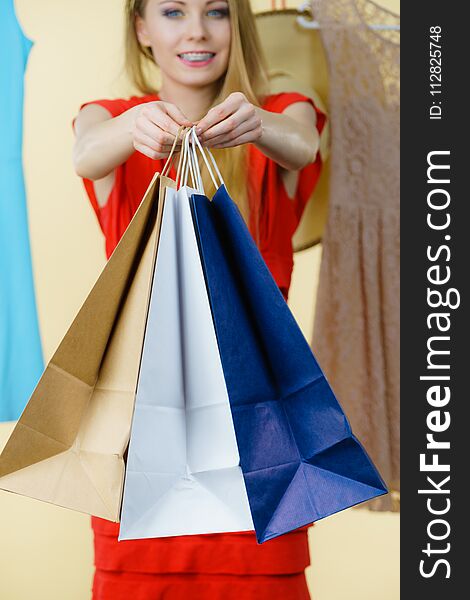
(435, 271)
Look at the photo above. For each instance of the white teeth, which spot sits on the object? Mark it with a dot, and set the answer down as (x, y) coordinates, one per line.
(197, 56)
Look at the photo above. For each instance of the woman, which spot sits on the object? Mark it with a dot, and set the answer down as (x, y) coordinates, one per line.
(212, 74)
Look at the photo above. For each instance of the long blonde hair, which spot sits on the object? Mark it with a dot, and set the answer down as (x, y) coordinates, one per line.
(246, 73)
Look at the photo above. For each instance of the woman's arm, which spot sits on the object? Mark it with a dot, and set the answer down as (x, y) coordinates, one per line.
(103, 143)
(290, 139)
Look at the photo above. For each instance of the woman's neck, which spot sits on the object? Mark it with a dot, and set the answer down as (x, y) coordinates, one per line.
(192, 101)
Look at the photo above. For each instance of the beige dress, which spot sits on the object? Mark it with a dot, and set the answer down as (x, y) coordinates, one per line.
(356, 330)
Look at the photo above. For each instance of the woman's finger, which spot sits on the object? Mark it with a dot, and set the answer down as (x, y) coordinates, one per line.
(163, 121)
(155, 132)
(157, 114)
(166, 116)
(228, 133)
(176, 114)
(227, 126)
(242, 139)
(152, 148)
(150, 141)
(153, 154)
(220, 112)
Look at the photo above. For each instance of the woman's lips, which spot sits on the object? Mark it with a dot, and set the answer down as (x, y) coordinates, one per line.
(196, 59)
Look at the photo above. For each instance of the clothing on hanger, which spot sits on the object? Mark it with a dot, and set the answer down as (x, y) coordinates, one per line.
(21, 362)
(357, 321)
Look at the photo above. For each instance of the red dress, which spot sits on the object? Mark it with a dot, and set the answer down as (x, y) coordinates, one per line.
(224, 565)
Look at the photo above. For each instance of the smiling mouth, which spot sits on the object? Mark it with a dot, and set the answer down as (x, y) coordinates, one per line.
(196, 57)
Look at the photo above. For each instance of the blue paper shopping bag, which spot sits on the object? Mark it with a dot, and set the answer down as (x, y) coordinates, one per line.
(299, 458)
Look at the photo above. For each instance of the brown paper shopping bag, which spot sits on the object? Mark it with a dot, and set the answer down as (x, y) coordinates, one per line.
(67, 447)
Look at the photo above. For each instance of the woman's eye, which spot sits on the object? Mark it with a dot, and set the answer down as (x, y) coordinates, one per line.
(219, 13)
(172, 13)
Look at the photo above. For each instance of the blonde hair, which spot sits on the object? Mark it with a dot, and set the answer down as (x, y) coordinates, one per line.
(246, 73)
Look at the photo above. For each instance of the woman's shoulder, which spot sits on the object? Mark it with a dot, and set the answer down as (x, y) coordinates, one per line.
(280, 101)
(116, 106)
(134, 100)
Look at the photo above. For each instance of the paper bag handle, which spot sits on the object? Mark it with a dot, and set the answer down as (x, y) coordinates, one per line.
(197, 143)
(189, 164)
(182, 157)
(170, 158)
(185, 167)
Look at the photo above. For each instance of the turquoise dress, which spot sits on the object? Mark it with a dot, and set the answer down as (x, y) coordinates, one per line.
(21, 361)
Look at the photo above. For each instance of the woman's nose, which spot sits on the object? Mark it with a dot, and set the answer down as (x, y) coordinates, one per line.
(196, 29)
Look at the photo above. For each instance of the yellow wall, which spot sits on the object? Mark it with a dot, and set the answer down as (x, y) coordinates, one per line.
(46, 551)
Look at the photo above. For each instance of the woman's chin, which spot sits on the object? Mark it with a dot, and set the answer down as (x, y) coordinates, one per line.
(199, 79)
(198, 76)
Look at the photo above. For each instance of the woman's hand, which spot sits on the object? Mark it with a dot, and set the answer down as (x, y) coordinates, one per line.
(155, 127)
(233, 122)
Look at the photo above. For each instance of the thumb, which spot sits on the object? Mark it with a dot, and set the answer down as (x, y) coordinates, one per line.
(175, 113)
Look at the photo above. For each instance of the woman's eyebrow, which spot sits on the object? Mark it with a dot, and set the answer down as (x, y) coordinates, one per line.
(183, 3)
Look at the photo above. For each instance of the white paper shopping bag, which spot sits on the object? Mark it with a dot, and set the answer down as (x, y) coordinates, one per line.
(183, 475)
